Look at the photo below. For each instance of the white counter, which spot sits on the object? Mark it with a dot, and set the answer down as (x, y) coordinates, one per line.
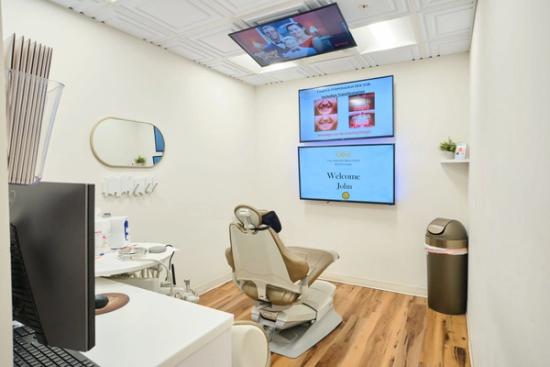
(110, 264)
(157, 330)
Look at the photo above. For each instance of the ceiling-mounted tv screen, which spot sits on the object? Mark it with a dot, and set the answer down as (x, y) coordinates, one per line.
(302, 35)
(354, 173)
(354, 110)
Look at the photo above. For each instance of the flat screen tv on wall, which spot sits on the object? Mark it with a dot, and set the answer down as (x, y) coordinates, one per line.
(353, 173)
(354, 110)
(310, 33)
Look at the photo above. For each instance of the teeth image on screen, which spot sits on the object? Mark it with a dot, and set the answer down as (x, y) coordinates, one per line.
(353, 110)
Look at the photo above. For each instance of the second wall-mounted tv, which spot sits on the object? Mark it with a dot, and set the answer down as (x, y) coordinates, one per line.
(354, 110)
(294, 37)
(352, 173)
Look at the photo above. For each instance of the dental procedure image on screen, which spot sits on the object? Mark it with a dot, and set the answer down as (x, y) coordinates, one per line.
(361, 110)
(326, 117)
(354, 110)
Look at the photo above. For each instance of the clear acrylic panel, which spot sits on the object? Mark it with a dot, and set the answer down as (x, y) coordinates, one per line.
(31, 107)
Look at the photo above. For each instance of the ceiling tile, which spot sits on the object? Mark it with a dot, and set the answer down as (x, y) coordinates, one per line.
(236, 7)
(447, 47)
(85, 6)
(310, 70)
(335, 66)
(257, 79)
(135, 28)
(130, 15)
(357, 15)
(287, 74)
(440, 4)
(227, 69)
(393, 56)
(220, 43)
(189, 51)
(449, 22)
(169, 13)
(274, 11)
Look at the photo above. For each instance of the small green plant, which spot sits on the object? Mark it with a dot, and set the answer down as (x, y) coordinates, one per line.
(140, 160)
(447, 145)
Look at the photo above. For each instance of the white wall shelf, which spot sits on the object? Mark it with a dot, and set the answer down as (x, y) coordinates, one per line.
(455, 161)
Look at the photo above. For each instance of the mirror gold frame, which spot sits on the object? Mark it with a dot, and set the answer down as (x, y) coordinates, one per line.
(96, 154)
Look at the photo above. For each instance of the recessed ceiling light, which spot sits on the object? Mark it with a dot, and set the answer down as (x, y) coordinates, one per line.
(249, 64)
(111, 1)
(385, 35)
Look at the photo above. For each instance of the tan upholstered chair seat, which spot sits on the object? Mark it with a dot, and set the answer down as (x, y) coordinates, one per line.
(317, 261)
(276, 296)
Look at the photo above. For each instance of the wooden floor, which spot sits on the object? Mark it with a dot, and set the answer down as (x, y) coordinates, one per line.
(379, 329)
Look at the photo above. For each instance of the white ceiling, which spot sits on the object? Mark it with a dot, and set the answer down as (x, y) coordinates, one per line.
(198, 30)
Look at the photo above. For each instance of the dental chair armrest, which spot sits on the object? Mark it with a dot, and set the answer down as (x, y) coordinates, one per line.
(229, 258)
(318, 260)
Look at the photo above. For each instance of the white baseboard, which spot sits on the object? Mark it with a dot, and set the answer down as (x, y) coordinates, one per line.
(369, 283)
(376, 284)
(470, 354)
(208, 286)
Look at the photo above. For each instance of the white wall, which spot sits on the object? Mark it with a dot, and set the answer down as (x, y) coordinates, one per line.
(206, 118)
(509, 297)
(5, 273)
(381, 246)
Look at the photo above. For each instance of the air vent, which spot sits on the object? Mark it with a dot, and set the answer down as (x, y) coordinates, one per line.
(272, 13)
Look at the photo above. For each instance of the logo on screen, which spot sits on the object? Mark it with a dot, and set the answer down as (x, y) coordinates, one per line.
(345, 195)
(343, 154)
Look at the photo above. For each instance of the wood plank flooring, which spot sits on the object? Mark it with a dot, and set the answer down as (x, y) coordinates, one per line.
(379, 329)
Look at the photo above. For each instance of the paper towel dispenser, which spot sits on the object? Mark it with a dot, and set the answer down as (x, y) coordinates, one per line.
(114, 231)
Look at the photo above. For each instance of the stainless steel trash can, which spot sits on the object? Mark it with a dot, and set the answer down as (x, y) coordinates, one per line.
(447, 252)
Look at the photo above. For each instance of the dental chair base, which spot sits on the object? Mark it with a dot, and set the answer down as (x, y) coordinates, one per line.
(295, 329)
(297, 340)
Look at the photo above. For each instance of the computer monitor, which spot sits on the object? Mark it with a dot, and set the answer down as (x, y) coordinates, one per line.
(52, 250)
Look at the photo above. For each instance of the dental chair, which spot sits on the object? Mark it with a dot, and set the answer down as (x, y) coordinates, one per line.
(294, 307)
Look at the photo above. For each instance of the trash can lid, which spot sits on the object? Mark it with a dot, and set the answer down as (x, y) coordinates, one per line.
(446, 233)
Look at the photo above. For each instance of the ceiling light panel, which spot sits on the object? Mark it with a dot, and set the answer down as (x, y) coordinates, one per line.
(385, 35)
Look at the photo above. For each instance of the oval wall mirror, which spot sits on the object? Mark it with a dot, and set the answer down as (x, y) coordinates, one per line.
(125, 143)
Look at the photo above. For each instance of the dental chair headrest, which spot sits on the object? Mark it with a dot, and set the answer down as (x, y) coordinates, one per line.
(252, 218)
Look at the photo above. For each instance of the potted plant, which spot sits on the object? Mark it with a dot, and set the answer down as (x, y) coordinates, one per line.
(448, 147)
(140, 160)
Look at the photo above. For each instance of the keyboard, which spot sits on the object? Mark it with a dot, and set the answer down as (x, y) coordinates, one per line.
(27, 352)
